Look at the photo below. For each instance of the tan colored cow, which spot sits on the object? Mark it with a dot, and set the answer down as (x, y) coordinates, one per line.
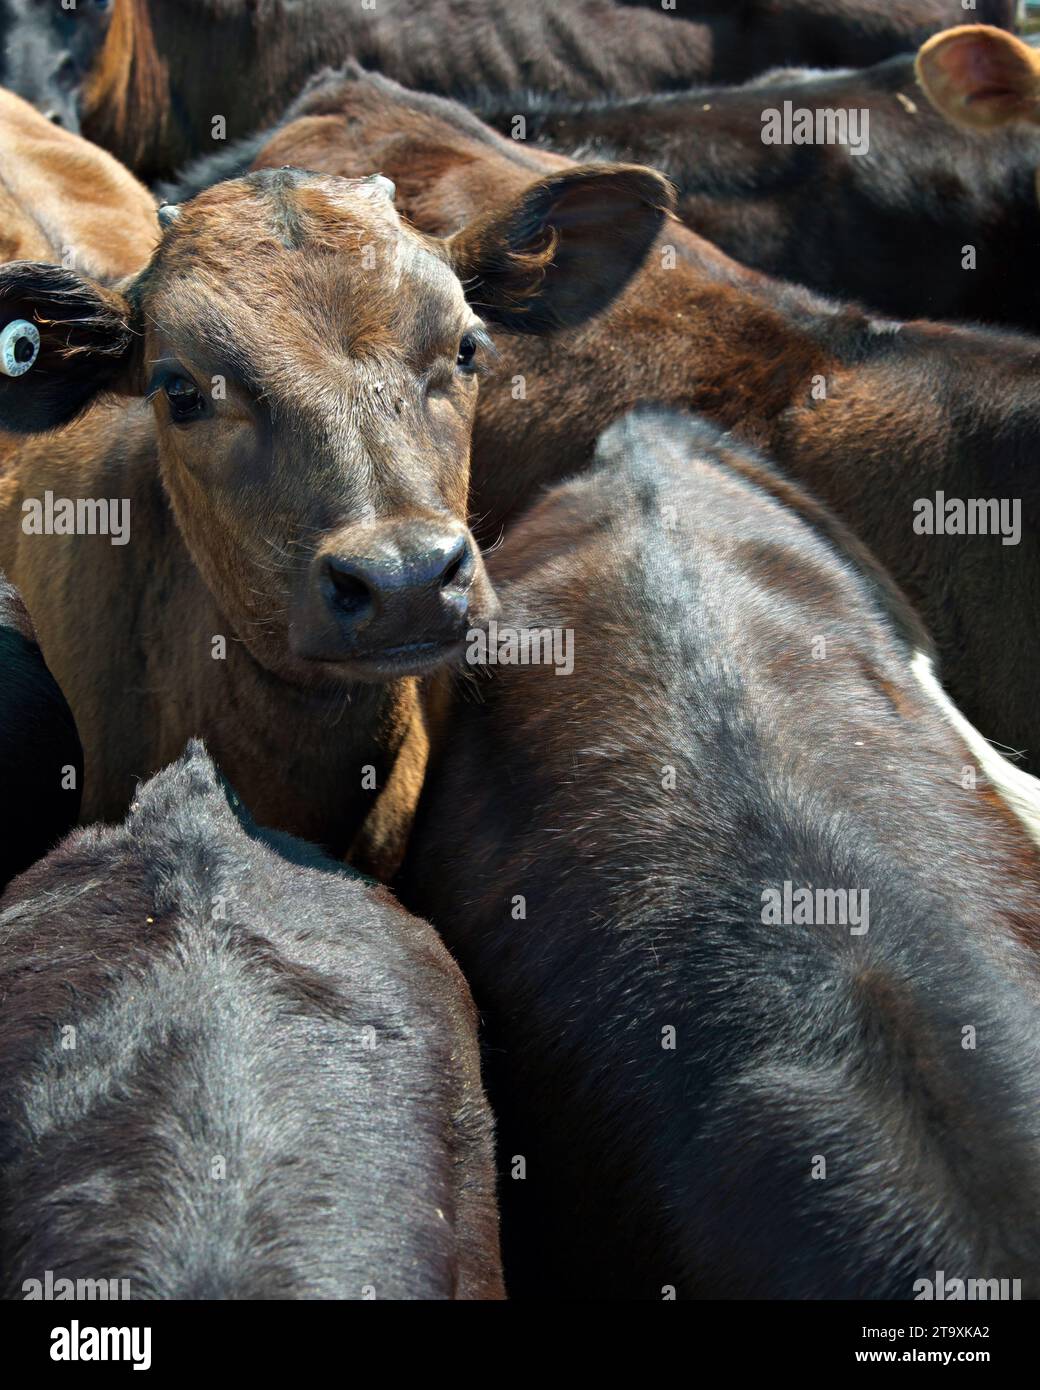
(65, 200)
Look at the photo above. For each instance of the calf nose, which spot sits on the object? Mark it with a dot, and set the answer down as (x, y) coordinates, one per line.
(407, 585)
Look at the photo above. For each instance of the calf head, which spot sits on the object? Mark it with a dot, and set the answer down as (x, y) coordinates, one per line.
(981, 77)
(311, 363)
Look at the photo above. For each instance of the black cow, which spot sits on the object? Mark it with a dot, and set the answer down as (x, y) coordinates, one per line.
(750, 35)
(161, 78)
(754, 939)
(41, 760)
(232, 1068)
(903, 212)
(47, 51)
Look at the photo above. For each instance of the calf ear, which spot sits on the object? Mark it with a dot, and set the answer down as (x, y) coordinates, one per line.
(978, 76)
(87, 345)
(564, 249)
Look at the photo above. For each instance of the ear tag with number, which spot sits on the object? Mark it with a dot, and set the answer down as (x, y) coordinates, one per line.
(19, 347)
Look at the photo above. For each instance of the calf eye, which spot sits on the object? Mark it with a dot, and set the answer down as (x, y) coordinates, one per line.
(467, 352)
(186, 402)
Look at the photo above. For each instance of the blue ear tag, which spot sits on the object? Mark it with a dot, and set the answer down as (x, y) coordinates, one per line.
(19, 347)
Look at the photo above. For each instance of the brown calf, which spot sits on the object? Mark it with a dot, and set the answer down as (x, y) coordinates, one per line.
(877, 418)
(292, 487)
(63, 199)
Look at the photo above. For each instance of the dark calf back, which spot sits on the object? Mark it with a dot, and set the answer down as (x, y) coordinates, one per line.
(596, 849)
(154, 87)
(233, 1069)
(887, 225)
(41, 760)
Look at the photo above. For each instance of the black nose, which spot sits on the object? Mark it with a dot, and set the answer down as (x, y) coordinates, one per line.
(409, 586)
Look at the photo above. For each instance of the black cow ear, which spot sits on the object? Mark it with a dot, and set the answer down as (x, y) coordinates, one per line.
(63, 341)
(562, 251)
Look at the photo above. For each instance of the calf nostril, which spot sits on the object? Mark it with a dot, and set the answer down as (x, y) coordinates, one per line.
(459, 570)
(351, 594)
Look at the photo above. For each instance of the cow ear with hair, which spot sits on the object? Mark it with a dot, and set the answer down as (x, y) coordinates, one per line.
(981, 77)
(561, 252)
(66, 340)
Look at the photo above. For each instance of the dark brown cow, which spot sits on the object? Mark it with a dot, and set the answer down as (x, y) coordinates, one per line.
(876, 417)
(757, 958)
(881, 210)
(271, 546)
(232, 1069)
(160, 93)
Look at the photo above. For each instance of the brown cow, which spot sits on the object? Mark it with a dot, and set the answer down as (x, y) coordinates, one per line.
(63, 199)
(981, 77)
(293, 486)
(884, 421)
(159, 93)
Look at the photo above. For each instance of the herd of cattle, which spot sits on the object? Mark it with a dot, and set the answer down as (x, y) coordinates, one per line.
(527, 585)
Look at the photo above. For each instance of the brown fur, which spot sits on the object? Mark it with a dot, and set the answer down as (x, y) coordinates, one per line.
(907, 412)
(344, 427)
(64, 199)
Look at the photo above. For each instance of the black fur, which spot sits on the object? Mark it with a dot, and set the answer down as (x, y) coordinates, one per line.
(694, 599)
(887, 228)
(274, 1086)
(46, 51)
(86, 342)
(39, 746)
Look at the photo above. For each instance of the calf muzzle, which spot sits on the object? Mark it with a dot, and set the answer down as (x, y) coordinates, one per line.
(397, 599)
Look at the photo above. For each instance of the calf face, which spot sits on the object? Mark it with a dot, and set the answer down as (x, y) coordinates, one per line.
(41, 760)
(610, 845)
(311, 363)
(272, 1088)
(981, 77)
